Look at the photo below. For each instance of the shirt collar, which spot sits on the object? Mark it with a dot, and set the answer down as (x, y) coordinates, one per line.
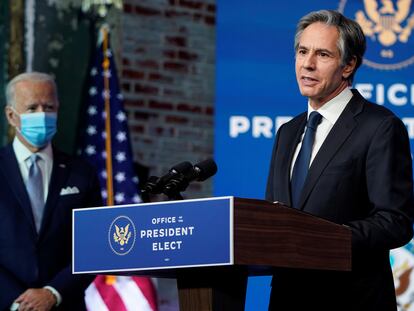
(22, 153)
(332, 109)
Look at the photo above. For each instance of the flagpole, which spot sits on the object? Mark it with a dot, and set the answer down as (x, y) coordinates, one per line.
(105, 100)
(108, 138)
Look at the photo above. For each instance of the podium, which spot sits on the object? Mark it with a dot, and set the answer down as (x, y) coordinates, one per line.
(234, 238)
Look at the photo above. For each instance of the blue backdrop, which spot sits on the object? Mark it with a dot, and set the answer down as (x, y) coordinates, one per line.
(256, 88)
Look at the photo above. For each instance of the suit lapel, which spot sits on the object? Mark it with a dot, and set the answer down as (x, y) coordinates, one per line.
(10, 169)
(292, 139)
(58, 179)
(335, 139)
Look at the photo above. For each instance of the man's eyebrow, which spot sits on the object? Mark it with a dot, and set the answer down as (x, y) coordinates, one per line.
(324, 51)
(317, 50)
(301, 47)
(32, 104)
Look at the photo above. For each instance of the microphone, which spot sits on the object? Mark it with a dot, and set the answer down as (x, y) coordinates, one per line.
(151, 186)
(205, 169)
(155, 185)
(200, 172)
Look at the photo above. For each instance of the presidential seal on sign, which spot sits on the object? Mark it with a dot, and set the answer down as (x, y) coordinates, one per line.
(122, 235)
(388, 26)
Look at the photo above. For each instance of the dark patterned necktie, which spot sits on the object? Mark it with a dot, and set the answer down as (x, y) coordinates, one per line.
(300, 170)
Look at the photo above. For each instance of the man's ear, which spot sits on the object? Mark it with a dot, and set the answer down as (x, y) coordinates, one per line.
(11, 116)
(349, 68)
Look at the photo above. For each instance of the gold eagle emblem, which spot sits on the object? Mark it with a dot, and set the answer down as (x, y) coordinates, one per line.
(386, 21)
(122, 235)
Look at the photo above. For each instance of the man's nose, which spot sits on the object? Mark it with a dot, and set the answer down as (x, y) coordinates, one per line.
(40, 108)
(309, 61)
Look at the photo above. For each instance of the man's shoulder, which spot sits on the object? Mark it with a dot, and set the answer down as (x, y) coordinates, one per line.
(377, 110)
(73, 162)
(297, 120)
(293, 125)
(377, 115)
(371, 117)
(6, 151)
(370, 109)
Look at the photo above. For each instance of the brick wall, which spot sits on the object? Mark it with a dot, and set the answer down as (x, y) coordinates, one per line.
(167, 78)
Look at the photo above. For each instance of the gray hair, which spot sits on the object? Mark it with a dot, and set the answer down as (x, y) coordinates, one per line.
(27, 76)
(351, 43)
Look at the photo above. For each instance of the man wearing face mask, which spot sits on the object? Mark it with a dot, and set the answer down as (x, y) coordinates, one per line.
(40, 187)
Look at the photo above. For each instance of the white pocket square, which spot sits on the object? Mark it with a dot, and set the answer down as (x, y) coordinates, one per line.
(69, 190)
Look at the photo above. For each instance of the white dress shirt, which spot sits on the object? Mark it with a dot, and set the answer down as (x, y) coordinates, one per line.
(330, 113)
(45, 163)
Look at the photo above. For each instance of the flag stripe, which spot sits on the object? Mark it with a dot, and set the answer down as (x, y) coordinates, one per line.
(109, 294)
(93, 299)
(148, 290)
(132, 295)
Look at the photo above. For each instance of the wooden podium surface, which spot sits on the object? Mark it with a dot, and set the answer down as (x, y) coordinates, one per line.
(267, 236)
(272, 235)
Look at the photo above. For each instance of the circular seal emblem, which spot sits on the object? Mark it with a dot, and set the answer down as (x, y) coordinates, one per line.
(121, 235)
(388, 26)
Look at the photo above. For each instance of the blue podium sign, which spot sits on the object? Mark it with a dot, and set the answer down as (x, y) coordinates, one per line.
(153, 236)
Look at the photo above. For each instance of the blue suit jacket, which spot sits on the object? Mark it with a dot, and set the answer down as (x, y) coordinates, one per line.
(362, 178)
(29, 259)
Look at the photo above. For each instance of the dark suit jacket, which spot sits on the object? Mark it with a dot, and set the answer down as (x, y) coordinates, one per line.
(362, 178)
(31, 260)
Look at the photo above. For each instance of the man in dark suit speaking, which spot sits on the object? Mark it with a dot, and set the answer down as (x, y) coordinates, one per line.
(39, 188)
(345, 160)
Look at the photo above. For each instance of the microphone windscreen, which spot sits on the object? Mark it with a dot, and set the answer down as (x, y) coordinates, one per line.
(205, 169)
(151, 186)
(182, 167)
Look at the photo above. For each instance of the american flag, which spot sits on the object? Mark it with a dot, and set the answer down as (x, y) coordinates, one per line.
(105, 144)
